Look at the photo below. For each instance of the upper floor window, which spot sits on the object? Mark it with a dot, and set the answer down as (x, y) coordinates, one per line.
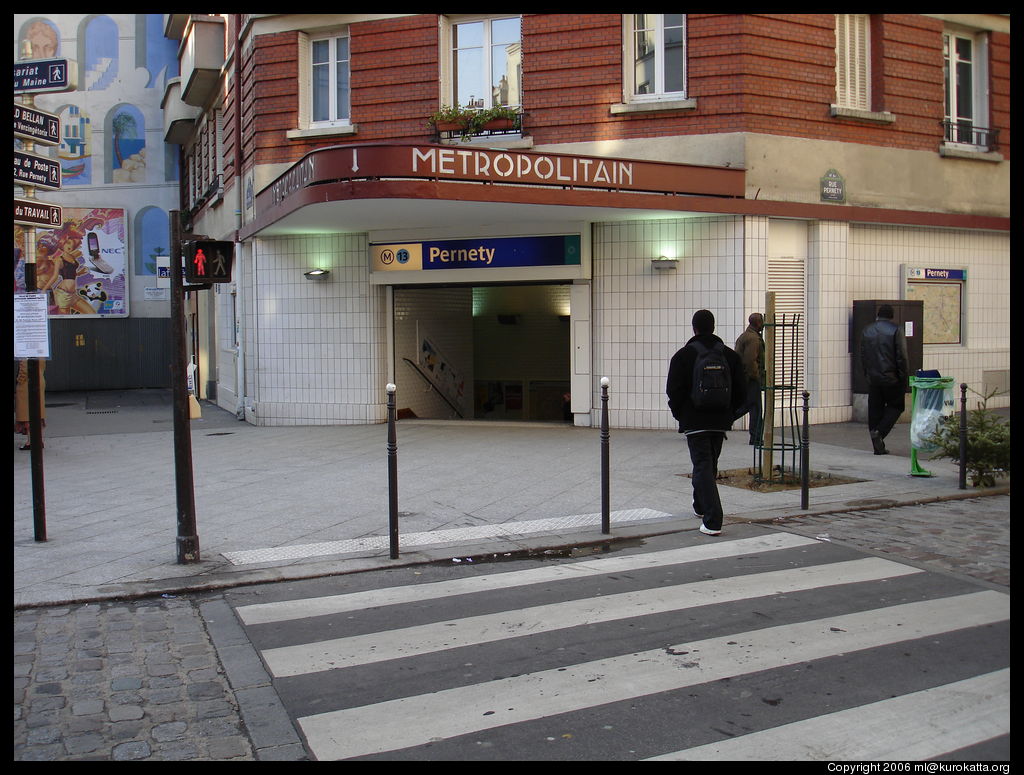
(486, 63)
(853, 61)
(657, 55)
(329, 79)
(204, 161)
(966, 80)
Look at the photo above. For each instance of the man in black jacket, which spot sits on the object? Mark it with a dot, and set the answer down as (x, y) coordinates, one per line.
(705, 429)
(883, 356)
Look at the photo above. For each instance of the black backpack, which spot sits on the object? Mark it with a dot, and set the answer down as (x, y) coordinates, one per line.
(712, 378)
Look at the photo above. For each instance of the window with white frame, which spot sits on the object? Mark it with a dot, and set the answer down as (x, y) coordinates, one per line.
(965, 70)
(656, 56)
(486, 63)
(329, 84)
(853, 61)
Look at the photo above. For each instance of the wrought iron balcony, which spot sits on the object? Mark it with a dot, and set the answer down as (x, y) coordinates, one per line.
(966, 133)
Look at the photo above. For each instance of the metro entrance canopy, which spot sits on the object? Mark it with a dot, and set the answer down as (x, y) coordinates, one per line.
(375, 174)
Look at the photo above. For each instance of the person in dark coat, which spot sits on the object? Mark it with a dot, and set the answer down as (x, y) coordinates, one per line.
(883, 356)
(750, 348)
(704, 429)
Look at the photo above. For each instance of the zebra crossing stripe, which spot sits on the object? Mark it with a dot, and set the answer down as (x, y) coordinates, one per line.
(916, 726)
(372, 647)
(411, 721)
(265, 613)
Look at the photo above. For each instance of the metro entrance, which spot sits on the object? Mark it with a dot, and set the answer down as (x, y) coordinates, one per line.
(483, 352)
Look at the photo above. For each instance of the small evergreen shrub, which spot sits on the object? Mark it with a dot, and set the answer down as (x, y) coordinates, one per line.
(988, 442)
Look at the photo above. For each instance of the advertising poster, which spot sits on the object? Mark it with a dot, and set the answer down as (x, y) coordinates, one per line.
(81, 266)
(438, 368)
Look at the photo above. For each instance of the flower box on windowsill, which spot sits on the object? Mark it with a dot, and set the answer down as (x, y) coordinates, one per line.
(470, 122)
(499, 125)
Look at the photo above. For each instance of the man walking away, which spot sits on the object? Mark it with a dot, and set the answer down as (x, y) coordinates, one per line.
(706, 386)
(750, 348)
(883, 356)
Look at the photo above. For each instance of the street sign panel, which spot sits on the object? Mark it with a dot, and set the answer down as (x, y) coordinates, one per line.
(37, 125)
(44, 75)
(37, 214)
(32, 170)
(208, 261)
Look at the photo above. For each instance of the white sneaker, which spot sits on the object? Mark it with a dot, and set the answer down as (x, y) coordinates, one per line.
(708, 531)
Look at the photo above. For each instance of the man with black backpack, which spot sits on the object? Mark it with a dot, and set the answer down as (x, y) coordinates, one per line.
(706, 386)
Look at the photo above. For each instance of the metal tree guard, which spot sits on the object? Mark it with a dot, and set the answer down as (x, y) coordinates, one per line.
(778, 454)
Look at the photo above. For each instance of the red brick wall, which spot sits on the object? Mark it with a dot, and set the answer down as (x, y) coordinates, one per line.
(771, 73)
(394, 77)
(999, 89)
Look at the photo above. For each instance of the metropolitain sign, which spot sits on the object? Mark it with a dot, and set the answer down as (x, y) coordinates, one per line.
(381, 162)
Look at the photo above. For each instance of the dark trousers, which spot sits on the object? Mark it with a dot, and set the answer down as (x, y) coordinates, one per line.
(752, 406)
(885, 405)
(705, 448)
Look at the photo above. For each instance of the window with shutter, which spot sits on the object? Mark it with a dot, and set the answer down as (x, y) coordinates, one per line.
(853, 61)
(786, 280)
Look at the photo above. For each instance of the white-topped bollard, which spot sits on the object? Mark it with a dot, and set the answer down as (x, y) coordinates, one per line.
(605, 468)
(391, 388)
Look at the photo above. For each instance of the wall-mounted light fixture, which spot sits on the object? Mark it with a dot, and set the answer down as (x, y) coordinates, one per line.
(317, 274)
(664, 262)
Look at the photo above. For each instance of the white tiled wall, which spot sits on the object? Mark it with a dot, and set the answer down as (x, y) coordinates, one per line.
(828, 322)
(876, 254)
(642, 315)
(315, 352)
(316, 349)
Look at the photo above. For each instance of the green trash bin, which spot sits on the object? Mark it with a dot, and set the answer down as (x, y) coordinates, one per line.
(932, 399)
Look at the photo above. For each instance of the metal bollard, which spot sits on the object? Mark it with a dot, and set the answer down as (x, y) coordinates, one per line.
(805, 455)
(963, 436)
(605, 487)
(392, 473)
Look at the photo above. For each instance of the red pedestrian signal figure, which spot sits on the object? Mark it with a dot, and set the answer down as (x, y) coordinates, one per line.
(208, 261)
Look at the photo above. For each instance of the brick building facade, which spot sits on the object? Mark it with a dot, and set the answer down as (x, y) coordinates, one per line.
(824, 158)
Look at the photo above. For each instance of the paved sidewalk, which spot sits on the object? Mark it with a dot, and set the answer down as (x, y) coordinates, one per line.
(294, 502)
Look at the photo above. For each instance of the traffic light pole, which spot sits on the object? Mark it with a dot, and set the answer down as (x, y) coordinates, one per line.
(188, 540)
(35, 401)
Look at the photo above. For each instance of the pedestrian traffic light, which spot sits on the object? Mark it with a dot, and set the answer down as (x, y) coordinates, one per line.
(207, 261)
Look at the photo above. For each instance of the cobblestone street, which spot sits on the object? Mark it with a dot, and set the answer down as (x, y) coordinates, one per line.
(123, 682)
(969, 536)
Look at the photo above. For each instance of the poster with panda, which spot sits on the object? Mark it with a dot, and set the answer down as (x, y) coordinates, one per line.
(82, 265)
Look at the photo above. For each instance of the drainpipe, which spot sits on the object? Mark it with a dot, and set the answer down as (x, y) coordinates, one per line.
(240, 392)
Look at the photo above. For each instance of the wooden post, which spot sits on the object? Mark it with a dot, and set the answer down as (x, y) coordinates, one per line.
(768, 420)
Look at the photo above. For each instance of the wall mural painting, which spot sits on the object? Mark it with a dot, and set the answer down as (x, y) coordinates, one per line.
(127, 155)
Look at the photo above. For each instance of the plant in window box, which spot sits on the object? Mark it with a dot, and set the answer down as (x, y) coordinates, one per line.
(468, 122)
(498, 118)
(451, 119)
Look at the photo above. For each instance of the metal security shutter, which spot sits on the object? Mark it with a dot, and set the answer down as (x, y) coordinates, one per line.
(852, 61)
(786, 281)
